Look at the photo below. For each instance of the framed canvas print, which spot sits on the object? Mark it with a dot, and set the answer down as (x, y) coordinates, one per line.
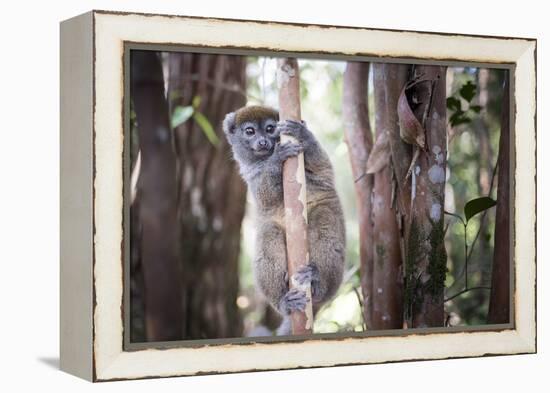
(246, 195)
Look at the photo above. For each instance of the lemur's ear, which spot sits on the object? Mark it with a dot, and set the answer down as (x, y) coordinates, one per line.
(229, 123)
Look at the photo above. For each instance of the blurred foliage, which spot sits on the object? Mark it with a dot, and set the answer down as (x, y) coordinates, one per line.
(183, 113)
(321, 97)
(454, 104)
(466, 162)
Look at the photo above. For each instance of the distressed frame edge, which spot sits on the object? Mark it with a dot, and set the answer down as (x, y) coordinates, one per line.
(525, 134)
(304, 24)
(528, 339)
(76, 196)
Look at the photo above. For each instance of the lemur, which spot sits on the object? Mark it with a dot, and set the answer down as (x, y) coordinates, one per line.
(254, 135)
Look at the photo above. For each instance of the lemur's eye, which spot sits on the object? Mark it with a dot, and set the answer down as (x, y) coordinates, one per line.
(249, 131)
(269, 129)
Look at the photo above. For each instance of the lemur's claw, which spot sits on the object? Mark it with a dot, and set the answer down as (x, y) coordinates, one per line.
(293, 300)
(292, 128)
(289, 149)
(307, 274)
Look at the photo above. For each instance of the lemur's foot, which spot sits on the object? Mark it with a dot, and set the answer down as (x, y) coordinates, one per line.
(288, 149)
(293, 300)
(309, 274)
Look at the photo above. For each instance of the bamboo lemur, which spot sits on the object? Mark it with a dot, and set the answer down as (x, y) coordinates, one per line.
(254, 135)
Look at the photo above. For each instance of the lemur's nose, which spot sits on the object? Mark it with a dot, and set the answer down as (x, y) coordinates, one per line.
(262, 143)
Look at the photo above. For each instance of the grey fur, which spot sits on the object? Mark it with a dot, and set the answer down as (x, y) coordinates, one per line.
(262, 171)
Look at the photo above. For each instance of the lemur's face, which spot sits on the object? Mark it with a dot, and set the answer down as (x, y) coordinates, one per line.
(259, 136)
(252, 133)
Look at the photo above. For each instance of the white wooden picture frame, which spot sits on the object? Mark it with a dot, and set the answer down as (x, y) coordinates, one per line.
(92, 218)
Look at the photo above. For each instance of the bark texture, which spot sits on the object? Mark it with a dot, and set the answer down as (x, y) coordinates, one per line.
(210, 194)
(389, 81)
(157, 201)
(426, 257)
(392, 78)
(499, 305)
(387, 291)
(294, 190)
(358, 137)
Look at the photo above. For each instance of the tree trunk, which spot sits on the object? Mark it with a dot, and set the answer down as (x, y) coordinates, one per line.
(499, 305)
(389, 80)
(157, 200)
(392, 77)
(211, 195)
(481, 129)
(486, 168)
(358, 137)
(387, 268)
(420, 193)
(426, 257)
(294, 190)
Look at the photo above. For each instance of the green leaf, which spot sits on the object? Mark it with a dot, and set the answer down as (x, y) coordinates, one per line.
(453, 104)
(475, 108)
(455, 116)
(207, 128)
(476, 206)
(462, 120)
(458, 118)
(174, 95)
(181, 115)
(468, 91)
(196, 102)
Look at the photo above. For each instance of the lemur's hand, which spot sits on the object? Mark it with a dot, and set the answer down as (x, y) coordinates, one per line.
(285, 150)
(297, 129)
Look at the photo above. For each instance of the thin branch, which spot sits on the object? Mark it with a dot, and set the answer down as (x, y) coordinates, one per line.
(464, 291)
(456, 216)
(485, 212)
(363, 324)
(134, 177)
(350, 273)
(224, 86)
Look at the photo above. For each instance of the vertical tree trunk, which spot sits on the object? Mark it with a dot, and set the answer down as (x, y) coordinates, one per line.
(211, 195)
(358, 137)
(499, 305)
(294, 189)
(387, 268)
(392, 78)
(389, 80)
(426, 257)
(481, 129)
(486, 167)
(420, 193)
(158, 204)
